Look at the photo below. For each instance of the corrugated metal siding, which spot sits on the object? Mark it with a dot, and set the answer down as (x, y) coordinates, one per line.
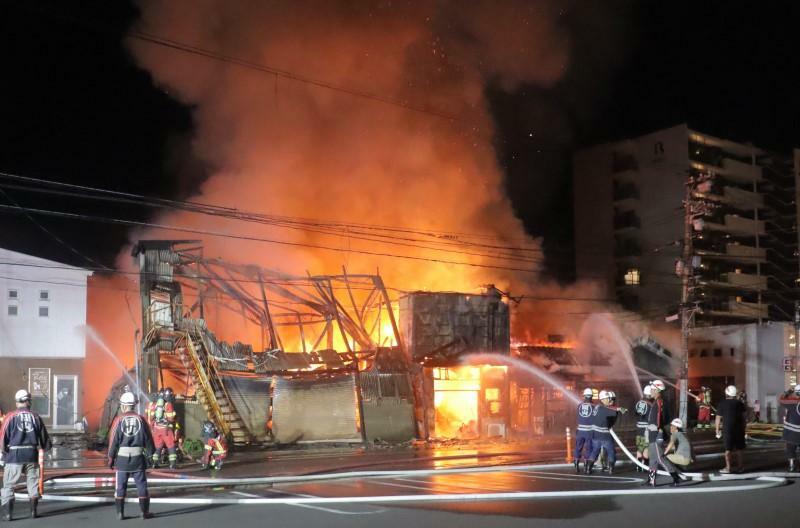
(388, 409)
(315, 410)
(250, 397)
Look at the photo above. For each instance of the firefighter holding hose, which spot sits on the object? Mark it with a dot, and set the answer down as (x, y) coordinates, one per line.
(642, 409)
(583, 435)
(657, 420)
(604, 417)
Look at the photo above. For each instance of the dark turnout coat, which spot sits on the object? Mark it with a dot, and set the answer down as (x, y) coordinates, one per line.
(21, 437)
(130, 443)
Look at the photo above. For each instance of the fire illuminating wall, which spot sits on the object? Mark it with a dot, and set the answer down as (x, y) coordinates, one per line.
(317, 410)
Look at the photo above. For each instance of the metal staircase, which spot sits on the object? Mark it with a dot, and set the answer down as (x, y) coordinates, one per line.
(210, 390)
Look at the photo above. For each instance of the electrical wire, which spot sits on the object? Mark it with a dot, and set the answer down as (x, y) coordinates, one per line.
(167, 227)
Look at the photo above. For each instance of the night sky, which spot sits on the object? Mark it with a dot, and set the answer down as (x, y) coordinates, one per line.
(75, 108)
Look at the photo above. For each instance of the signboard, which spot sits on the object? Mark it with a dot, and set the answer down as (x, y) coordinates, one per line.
(39, 387)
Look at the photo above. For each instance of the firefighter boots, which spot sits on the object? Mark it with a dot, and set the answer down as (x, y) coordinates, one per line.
(8, 510)
(35, 508)
(120, 505)
(792, 465)
(144, 505)
(578, 466)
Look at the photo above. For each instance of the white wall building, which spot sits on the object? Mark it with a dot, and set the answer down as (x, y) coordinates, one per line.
(42, 337)
(752, 357)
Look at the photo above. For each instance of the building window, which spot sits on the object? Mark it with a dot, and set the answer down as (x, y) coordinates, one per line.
(732, 352)
(632, 277)
(717, 352)
(692, 353)
(44, 295)
(13, 310)
(44, 311)
(13, 294)
(703, 352)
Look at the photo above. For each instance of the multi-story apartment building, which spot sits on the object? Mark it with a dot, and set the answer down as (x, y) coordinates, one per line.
(629, 225)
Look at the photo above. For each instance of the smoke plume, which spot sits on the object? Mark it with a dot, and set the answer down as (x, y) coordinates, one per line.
(291, 148)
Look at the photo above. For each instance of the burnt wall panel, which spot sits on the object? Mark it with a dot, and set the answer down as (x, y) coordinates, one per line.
(450, 324)
(319, 410)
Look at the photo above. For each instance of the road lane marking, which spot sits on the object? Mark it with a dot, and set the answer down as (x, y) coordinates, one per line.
(760, 484)
(320, 508)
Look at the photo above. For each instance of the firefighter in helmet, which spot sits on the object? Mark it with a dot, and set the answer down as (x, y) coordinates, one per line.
(161, 415)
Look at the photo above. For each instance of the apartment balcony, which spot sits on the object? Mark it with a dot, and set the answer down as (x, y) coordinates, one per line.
(624, 248)
(625, 192)
(738, 310)
(627, 220)
(741, 199)
(741, 172)
(738, 225)
(738, 281)
(735, 253)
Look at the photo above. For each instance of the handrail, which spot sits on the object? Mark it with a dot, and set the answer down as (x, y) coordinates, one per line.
(211, 397)
(213, 367)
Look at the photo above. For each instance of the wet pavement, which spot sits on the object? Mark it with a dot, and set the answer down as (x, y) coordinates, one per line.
(578, 500)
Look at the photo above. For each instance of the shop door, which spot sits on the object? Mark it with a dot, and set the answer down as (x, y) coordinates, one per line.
(65, 402)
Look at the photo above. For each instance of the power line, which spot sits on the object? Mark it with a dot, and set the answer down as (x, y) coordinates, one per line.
(348, 230)
(132, 223)
(277, 72)
(51, 234)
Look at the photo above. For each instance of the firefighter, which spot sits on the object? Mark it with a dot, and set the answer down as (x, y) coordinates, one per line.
(216, 448)
(21, 436)
(163, 426)
(583, 433)
(641, 409)
(791, 425)
(130, 447)
(657, 420)
(602, 458)
(704, 411)
(604, 416)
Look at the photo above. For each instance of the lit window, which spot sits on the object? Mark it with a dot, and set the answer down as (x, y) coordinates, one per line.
(44, 311)
(13, 310)
(44, 295)
(492, 394)
(632, 277)
(13, 294)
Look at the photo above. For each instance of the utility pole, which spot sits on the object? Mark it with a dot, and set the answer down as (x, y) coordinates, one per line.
(694, 209)
(686, 273)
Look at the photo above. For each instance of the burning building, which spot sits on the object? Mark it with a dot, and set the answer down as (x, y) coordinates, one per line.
(330, 366)
(334, 364)
(441, 330)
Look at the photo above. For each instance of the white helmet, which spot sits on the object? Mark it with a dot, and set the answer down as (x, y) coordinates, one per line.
(731, 391)
(127, 398)
(677, 422)
(588, 393)
(22, 396)
(612, 394)
(648, 390)
(659, 385)
(797, 388)
(604, 395)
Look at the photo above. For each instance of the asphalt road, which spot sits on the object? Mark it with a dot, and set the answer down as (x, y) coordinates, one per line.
(776, 506)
